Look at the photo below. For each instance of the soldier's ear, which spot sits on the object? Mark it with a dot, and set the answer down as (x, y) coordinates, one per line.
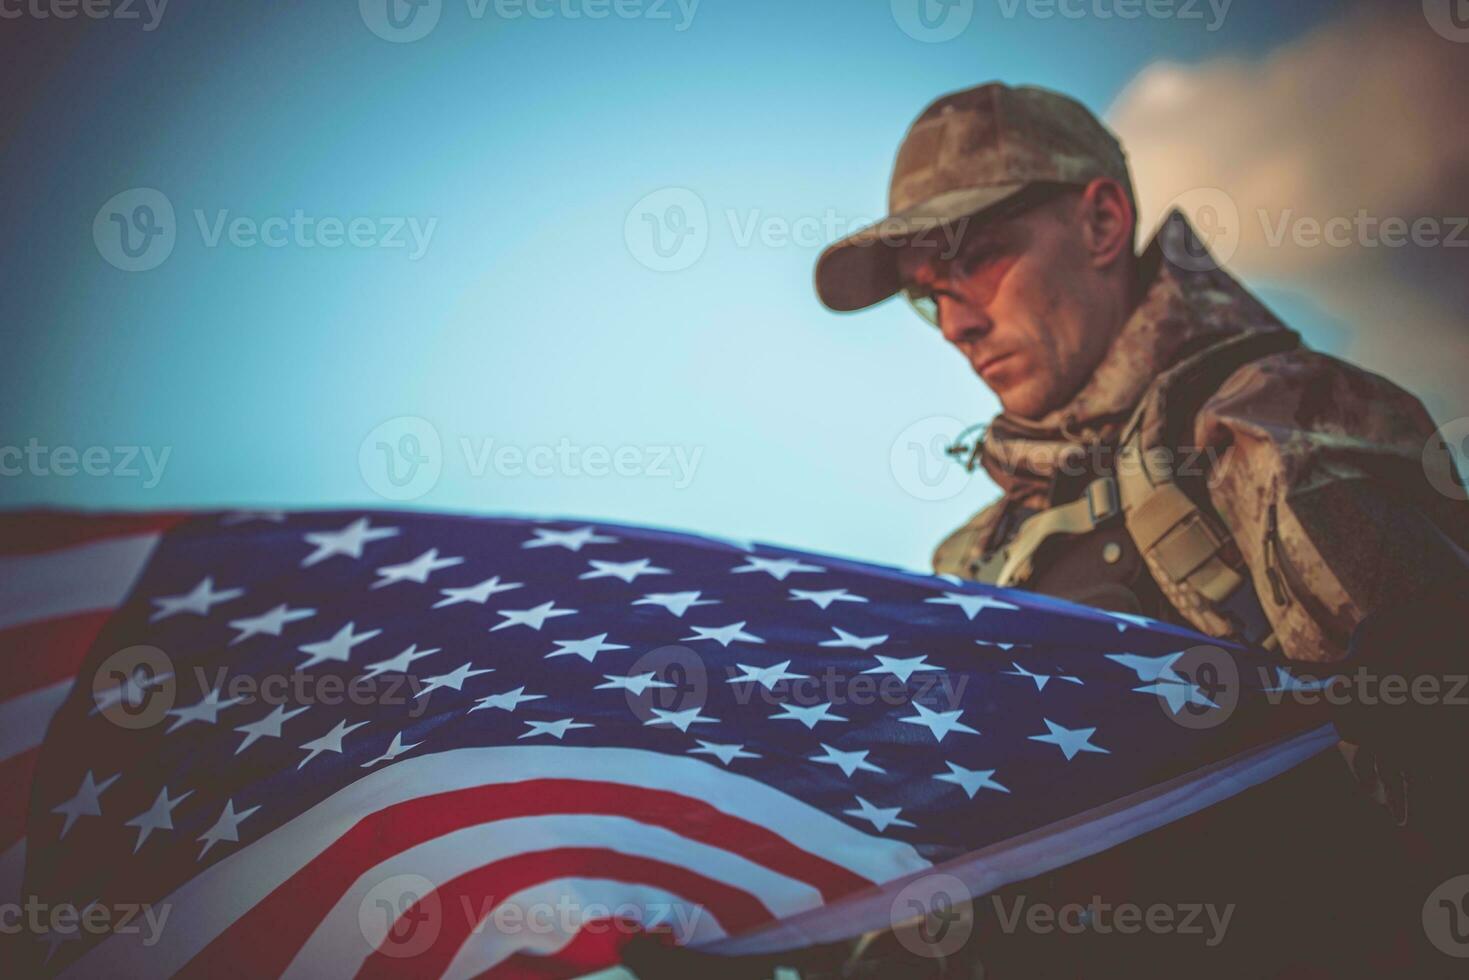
(1107, 222)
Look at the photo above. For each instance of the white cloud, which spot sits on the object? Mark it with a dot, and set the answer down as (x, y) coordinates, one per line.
(1360, 121)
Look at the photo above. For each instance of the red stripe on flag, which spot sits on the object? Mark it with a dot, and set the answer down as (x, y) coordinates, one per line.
(735, 909)
(273, 932)
(15, 800)
(31, 532)
(40, 654)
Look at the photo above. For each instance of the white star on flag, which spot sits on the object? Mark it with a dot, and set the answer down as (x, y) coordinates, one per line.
(86, 803)
(338, 649)
(901, 667)
(206, 709)
(347, 541)
(972, 604)
(268, 623)
(1040, 679)
(395, 749)
(556, 729)
(724, 753)
(196, 601)
(826, 598)
(970, 780)
(226, 828)
(633, 683)
(627, 571)
(586, 649)
(678, 719)
(401, 662)
(1177, 695)
(778, 568)
(418, 570)
(940, 723)
(881, 818)
(851, 640)
(1070, 740)
(267, 727)
(330, 742)
(534, 618)
(475, 593)
(847, 762)
(1129, 619)
(723, 635)
(508, 701)
(570, 540)
(808, 715)
(454, 679)
(766, 677)
(1150, 668)
(159, 816)
(677, 603)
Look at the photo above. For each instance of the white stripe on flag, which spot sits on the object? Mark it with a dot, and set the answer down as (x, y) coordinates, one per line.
(71, 580)
(488, 947)
(345, 937)
(23, 721)
(211, 901)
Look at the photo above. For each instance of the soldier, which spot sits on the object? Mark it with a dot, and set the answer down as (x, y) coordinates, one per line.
(1168, 447)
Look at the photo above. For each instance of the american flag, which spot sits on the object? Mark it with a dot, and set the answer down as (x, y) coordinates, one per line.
(381, 743)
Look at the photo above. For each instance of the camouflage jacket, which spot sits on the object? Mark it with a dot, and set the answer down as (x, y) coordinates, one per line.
(1320, 470)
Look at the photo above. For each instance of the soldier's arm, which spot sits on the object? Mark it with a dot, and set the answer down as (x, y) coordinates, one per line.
(1318, 471)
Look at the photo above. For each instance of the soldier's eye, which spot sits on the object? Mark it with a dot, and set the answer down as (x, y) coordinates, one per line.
(923, 302)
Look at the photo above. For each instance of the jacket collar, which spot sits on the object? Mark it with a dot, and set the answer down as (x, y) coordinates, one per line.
(1187, 303)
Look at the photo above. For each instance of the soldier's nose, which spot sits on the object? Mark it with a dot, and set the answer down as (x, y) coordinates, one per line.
(961, 323)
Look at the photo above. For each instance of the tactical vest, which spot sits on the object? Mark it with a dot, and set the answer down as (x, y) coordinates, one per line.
(1144, 537)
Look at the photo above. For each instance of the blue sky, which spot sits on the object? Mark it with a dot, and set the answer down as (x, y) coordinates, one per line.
(520, 148)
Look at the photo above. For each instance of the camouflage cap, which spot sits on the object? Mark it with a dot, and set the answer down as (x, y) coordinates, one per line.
(965, 155)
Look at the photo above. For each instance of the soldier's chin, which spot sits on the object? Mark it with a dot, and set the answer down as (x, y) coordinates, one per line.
(1024, 398)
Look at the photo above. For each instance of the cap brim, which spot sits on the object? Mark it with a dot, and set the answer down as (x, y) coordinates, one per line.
(861, 270)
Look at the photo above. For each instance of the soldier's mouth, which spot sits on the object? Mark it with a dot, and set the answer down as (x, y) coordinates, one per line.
(983, 368)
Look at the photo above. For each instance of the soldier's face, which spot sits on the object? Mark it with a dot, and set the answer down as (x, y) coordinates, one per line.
(1020, 299)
